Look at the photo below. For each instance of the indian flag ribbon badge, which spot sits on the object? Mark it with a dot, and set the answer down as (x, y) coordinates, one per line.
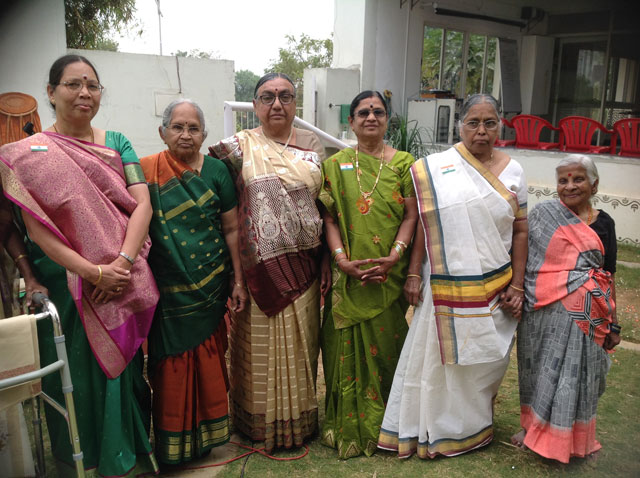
(346, 166)
(39, 148)
(447, 169)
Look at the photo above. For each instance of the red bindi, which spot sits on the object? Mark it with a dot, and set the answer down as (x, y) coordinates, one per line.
(569, 174)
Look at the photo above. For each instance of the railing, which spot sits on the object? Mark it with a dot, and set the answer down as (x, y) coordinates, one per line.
(247, 117)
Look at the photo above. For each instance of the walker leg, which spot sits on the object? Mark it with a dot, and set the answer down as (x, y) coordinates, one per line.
(37, 436)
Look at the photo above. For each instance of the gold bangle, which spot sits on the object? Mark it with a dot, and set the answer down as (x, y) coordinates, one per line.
(239, 285)
(402, 243)
(516, 288)
(337, 251)
(398, 249)
(21, 256)
(414, 275)
(99, 276)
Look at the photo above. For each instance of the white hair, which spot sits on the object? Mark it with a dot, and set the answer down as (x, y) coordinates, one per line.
(582, 160)
(168, 113)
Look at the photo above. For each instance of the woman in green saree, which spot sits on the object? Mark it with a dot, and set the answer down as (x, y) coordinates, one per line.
(369, 221)
(194, 258)
(86, 209)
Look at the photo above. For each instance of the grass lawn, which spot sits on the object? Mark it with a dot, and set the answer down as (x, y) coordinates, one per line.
(628, 253)
(618, 430)
(618, 426)
(628, 293)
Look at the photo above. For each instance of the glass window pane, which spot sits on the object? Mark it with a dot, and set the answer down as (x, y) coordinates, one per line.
(431, 47)
(581, 78)
(453, 62)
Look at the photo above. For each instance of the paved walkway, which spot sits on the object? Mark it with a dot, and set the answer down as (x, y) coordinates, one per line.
(633, 265)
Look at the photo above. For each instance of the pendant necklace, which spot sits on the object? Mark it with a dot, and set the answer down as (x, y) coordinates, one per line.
(365, 200)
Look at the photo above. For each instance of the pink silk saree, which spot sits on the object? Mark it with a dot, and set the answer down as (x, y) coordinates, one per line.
(78, 191)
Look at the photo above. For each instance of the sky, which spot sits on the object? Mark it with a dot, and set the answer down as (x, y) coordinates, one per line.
(249, 32)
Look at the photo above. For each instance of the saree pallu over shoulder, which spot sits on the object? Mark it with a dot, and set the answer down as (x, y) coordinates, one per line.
(468, 216)
(90, 216)
(279, 223)
(189, 256)
(564, 264)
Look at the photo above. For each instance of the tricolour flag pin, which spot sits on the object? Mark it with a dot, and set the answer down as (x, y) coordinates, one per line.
(38, 148)
(346, 166)
(447, 169)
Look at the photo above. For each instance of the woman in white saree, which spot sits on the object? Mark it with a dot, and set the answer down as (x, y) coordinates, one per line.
(467, 271)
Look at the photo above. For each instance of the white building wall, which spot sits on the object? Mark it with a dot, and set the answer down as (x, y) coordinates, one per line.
(138, 87)
(388, 47)
(333, 87)
(348, 33)
(32, 36)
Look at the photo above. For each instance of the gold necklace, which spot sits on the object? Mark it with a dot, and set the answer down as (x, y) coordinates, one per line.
(366, 195)
(56, 130)
(590, 216)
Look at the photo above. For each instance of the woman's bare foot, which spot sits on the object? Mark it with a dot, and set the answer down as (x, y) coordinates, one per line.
(518, 439)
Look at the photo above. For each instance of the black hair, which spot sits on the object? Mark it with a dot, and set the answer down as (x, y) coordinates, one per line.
(56, 70)
(363, 96)
(272, 76)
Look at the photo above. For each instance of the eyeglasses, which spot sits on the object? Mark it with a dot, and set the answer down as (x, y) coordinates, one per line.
(269, 99)
(179, 129)
(74, 86)
(489, 125)
(364, 114)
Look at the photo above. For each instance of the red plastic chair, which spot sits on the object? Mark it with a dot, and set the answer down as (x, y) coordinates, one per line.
(628, 130)
(528, 129)
(576, 133)
(501, 143)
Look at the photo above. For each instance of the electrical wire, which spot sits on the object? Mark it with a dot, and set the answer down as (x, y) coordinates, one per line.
(247, 454)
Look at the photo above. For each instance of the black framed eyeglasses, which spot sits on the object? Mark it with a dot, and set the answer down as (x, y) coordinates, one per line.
(269, 99)
(489, 125)
(74, 86)
(378, 113)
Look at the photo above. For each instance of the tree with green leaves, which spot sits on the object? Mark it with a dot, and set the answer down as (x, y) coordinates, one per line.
(301, 53)
(196, 53)
(246, 82)
(89, 22)
(452, 70)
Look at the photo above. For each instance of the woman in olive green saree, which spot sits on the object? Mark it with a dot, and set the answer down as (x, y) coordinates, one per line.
(369, 220)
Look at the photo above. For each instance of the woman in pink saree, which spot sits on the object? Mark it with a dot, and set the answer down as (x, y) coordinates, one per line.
(86, 209)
